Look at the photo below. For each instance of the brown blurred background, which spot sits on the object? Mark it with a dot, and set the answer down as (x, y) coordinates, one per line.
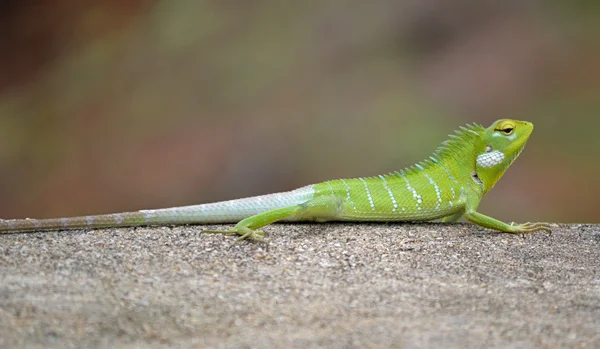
(125, 104)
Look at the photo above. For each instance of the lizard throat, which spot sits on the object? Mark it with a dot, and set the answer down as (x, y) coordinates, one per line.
(513, 157)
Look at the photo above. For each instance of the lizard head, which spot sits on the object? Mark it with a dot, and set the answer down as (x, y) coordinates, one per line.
(499, 146)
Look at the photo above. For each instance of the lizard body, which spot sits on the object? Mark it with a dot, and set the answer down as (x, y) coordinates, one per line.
(448, 185)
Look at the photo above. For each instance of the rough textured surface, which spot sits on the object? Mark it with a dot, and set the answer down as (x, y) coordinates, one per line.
(312, 285)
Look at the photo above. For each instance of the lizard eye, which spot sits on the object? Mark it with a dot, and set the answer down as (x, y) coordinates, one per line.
(506, 127)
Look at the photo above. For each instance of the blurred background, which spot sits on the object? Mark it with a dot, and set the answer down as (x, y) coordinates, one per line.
(120, 105)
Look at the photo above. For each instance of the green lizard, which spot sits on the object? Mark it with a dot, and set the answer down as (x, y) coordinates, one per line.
(448, 185)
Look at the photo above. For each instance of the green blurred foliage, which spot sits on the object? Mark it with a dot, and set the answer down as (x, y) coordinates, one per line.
(122, 105)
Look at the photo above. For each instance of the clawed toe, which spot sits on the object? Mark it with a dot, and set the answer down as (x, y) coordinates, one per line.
(256, 235)
(532, 227)
(245, 233)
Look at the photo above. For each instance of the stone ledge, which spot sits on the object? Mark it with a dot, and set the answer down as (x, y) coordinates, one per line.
(311, 285)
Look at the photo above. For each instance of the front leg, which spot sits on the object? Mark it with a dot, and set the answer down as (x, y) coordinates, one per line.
(492, 223)
(488, 222)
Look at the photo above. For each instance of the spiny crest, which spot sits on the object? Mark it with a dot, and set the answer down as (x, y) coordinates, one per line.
(461, 140)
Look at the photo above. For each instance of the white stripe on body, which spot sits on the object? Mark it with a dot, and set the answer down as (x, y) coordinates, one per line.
(385, 185)
(438, 191)
(416, 195)
(348, 197)
(331, 189)
(445, 169)
(368, 194)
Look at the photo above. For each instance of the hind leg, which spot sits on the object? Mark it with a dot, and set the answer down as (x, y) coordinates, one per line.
(322, 207)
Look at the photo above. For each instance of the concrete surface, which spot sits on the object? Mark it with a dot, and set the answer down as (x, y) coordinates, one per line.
(312, 285)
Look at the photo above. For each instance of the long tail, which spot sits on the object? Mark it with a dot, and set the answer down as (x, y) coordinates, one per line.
(219, 212)
(106, 220)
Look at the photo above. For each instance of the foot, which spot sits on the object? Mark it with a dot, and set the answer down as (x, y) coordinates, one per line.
(530, 227)
(244, 232)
